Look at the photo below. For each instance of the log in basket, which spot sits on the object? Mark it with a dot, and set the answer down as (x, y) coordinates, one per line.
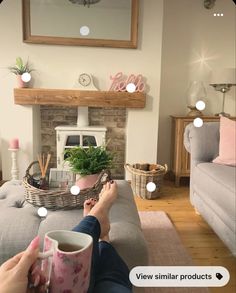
(142, 174)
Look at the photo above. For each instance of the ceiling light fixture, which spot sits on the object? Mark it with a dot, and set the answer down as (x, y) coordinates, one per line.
(209, 4)
(84, 2)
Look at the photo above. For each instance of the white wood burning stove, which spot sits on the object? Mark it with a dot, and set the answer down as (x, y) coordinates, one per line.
(69, 136)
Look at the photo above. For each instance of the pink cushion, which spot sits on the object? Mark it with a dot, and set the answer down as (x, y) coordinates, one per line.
(227, 147)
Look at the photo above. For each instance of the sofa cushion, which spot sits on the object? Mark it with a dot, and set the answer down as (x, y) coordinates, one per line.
(215, 184)
(227, 147)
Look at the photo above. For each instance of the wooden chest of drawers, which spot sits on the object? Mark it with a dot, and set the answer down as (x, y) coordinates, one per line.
(180, 158)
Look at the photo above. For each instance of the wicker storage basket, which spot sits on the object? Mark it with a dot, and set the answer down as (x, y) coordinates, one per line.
(61, 198)
(144, 173)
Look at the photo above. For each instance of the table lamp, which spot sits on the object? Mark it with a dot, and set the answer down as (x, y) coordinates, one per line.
(222, 80)
(195, 92)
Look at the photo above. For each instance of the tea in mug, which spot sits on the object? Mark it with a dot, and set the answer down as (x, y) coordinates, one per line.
(68, 247)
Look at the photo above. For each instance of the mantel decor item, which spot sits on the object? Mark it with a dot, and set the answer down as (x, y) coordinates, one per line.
(87, 163)
(195, 92)
(120, 82)
(60, 198)
(22, 71)
(222, 80)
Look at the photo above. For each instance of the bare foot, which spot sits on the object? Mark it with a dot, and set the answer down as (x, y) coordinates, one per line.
(101, 210)
(108, 195)
(88, 205)
(105, 238)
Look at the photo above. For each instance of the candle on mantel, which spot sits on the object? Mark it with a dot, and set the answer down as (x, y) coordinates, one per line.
(14, 144)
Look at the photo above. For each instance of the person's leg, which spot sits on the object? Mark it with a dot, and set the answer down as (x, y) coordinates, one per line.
(111, 267)
(91, 226)
(96, 222)
(110, 287)
(113, 274)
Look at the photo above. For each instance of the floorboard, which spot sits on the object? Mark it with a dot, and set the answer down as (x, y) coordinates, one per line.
(202, 243)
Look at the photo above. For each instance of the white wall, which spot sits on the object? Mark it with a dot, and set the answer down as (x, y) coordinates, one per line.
(59, 67)
(195, 42)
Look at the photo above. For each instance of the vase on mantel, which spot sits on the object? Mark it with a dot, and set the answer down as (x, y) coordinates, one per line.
(20, 82)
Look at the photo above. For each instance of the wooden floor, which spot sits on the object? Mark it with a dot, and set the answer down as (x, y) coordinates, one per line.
(199, 239)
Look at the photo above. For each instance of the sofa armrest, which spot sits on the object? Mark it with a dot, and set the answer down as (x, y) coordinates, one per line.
(202, 142)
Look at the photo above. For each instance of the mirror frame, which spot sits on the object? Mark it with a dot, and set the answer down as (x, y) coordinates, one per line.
(36, 39)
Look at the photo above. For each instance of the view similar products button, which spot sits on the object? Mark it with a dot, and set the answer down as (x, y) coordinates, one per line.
(179, 276)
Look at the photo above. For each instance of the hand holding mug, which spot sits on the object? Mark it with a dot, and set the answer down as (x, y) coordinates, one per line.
(14, 273)
(67, 260)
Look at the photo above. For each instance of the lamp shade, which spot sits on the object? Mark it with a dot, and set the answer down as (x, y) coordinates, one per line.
(224, 76)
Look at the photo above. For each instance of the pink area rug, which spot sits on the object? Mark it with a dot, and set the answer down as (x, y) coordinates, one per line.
(165, 248)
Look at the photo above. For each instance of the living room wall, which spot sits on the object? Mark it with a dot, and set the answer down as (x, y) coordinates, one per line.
(59, 67)
(195, 42)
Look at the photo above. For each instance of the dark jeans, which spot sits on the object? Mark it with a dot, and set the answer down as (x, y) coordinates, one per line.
(109, 273)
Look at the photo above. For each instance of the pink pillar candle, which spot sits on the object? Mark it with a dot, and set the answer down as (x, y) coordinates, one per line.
(14, 144)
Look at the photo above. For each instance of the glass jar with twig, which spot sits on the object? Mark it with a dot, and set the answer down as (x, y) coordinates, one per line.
(43, 165)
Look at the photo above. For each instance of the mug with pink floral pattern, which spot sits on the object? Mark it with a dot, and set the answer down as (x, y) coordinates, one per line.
(67, 261)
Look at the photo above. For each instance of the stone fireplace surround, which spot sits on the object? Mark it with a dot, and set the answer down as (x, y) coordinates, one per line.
(60, 107)
(114, 119)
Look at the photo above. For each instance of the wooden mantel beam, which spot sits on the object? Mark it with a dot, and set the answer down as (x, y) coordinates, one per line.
(74, 97)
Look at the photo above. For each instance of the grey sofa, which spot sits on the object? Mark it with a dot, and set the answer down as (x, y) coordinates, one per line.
(20, 223)
(212, 186)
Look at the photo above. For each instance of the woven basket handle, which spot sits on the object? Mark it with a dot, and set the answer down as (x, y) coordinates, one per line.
(128, 167)
(104, 177)
(27, 172)
(166, 168)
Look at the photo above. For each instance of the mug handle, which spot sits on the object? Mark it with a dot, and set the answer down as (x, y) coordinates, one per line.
(42, 256)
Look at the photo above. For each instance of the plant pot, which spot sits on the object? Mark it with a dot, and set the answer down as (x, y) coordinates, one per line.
(21, 83)
(87, 181)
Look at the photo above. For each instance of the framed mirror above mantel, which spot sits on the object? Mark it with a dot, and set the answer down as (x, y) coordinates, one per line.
(101, 23)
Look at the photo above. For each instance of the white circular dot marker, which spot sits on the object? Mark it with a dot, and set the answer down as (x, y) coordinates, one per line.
(84, 30)
(151, 186)
(75, 190)
(26, 76)
(198, 122)
(200, 105)
(42, 212)
(131, 87)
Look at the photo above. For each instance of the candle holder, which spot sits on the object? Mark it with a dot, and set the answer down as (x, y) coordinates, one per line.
(14, 167)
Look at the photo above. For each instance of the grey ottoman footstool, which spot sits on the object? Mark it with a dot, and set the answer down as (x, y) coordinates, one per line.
(20, 223)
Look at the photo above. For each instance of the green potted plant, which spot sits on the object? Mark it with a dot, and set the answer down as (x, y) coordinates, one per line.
(22, 71)
(88, 163)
